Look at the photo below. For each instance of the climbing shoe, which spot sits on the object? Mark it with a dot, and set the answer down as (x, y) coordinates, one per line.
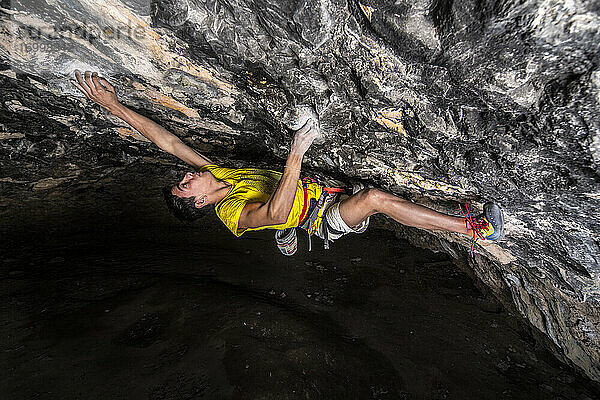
(488, 226)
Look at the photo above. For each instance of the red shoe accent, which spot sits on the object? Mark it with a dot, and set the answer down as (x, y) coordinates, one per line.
(475, 224)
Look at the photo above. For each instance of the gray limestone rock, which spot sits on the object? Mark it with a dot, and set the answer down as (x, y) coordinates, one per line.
(439, 101)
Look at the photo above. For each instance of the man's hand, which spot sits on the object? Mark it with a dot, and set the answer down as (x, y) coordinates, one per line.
(304, 138)
(100, 91)
(97, 89)
(276, 210)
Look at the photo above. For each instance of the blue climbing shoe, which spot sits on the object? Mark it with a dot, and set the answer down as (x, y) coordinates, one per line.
(493, 215)
(488, 226)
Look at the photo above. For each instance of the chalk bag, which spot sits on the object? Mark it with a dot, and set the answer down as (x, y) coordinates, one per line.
(287, 241)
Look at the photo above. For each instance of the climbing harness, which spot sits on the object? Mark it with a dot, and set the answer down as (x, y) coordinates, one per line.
(327, 197)
(310, 213)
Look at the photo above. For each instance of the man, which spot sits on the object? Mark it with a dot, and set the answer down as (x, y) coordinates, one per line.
(252, 199)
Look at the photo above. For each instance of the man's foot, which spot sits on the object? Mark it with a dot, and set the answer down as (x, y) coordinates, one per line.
(488, 226)
(493, 214)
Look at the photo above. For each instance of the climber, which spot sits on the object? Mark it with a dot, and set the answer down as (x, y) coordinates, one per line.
(250, 199)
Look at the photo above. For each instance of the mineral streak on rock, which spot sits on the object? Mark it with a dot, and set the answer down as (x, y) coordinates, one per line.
(503, 96)
(166, 101)
(391, 119)
(367, 10)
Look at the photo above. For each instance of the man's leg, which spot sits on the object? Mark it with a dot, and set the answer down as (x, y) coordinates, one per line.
(367, 202)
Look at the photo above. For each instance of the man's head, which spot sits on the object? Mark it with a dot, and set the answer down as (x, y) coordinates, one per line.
(187, 198)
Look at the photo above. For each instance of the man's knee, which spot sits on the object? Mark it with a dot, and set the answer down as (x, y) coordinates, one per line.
(377, 200)
(372, 198)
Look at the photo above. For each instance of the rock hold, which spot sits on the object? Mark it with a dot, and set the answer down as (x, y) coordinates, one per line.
(296, 117)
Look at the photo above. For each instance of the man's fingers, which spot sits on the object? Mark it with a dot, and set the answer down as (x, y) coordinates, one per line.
(96, 82)
(88, 80)
(79, 88)
(107, 85)
(307, 126)
(82, 84)
(312, 135)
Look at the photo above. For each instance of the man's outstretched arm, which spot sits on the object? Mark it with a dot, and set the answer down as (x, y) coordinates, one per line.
(100, 91)
(277, 209)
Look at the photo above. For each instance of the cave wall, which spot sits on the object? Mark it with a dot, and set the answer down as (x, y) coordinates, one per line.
(438, 101)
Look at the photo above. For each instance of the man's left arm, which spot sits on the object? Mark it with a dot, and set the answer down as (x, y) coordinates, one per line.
(277, 209)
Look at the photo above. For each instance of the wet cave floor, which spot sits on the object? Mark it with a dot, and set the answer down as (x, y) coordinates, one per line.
(125, 305)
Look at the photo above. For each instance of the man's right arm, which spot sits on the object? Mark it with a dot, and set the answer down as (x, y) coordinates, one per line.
(160, 136)
(100, 91)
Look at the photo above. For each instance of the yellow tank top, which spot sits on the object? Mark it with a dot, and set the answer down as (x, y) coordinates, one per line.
(251, 185)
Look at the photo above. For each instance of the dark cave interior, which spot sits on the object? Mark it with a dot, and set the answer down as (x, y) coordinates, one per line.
(106, 295)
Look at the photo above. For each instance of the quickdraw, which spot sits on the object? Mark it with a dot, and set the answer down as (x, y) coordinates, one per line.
(308, 218)
(287, 240)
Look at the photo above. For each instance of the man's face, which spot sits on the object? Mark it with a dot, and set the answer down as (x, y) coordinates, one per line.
(193, 184)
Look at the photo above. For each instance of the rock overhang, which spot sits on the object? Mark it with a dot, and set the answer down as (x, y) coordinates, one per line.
(442, 102)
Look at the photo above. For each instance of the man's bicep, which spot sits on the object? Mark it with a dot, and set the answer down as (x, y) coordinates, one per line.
(254, 215)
